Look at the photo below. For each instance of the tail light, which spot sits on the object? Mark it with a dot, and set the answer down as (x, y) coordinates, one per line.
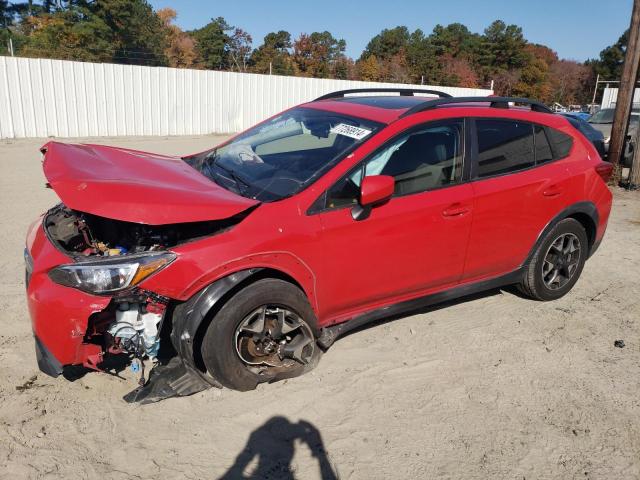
(604, 169)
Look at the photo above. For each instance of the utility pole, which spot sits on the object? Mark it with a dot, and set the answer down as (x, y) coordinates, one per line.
(625, 93)
(595, 90)
(633, 182)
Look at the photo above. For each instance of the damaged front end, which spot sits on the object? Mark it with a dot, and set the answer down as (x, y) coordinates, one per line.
(111, 258)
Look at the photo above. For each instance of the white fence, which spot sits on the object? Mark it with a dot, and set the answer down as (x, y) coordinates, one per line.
(610, 95)
(42, 98)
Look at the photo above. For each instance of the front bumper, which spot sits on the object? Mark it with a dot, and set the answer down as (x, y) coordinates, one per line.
(60, 319)
(59, 315)
(46, 361)
(62, 325)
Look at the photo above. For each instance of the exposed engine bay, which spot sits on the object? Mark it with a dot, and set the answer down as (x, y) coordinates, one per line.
(130, 326)
(82, 234)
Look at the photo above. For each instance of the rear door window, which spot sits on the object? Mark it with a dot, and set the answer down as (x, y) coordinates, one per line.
(504, 146)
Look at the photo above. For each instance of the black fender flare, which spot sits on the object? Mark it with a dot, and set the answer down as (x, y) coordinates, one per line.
(188, 317)
(586, 208)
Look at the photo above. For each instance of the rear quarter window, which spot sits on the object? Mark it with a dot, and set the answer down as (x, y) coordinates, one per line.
(561, 143)
(543, 147)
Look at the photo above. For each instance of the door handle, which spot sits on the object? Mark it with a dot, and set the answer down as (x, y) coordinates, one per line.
(455, 210)
(552, 191)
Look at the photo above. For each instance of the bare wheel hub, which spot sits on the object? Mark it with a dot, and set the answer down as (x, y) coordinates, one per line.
(561, 261)
(273, 337)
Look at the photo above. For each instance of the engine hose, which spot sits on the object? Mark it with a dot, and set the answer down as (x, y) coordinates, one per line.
(137, 350)
(128, 343)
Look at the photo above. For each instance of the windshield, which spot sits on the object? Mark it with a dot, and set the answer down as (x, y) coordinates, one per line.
(602, 116)
(281, 156)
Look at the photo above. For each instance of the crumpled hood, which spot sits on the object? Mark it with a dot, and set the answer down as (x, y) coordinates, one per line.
(135, 186)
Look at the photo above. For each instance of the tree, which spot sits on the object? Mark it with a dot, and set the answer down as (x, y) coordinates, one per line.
(180, 51)
(76, 33)
(458, 72)
(274, 55)
(401, 56)
(317, 54)
(570, 82)
(505, 82)
(239, 49)
(6, 20)
(533, 81)
(124, 31)
(211, 43)
(369, 69)
(503, 47)
(387, 43)
(452, 57)
(609, 66)
(455, 40)
(6, 15)
(422, 62)
(138, 36)
(542, 52)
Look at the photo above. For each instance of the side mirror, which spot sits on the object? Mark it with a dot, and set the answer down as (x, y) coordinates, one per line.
(374, 190)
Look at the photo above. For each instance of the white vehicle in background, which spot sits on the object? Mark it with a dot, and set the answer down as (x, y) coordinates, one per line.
(602, 121)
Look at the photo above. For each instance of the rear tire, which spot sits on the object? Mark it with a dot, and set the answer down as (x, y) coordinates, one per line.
(557, 262)
(233, 358)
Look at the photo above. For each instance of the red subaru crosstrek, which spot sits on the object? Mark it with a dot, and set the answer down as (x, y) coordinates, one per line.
(243, 263)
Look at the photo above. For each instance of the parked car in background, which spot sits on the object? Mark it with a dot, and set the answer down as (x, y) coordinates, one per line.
(254, 256)
(602, 121)
(595, 136)
(581, 115)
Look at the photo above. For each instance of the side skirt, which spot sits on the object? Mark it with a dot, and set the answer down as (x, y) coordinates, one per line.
(330, 334)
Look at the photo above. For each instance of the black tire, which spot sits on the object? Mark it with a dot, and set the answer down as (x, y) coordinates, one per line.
(219, 348)
(533, 284)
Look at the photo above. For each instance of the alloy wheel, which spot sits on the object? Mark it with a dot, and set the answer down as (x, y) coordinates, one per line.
(561, 261)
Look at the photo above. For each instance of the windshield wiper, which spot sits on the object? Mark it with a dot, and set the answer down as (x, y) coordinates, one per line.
(241, 184)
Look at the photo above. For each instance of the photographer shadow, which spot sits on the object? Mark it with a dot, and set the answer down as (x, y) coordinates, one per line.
(273, 446)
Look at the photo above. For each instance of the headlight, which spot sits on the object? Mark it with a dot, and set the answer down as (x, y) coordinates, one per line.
(112, 275)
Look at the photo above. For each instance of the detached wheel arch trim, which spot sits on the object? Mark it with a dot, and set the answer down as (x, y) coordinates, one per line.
(189, 316)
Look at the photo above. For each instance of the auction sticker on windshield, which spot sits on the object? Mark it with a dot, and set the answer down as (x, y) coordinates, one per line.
(350, 131)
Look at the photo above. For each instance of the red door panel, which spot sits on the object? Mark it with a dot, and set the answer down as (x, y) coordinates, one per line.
(509, 212)
(411, 244)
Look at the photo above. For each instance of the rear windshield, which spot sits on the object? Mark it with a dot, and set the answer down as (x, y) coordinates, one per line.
(281, 156)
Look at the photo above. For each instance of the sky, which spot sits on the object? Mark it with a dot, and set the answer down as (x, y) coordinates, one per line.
(576, 29)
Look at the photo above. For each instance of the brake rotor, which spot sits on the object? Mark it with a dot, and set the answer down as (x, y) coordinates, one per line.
(274, 337)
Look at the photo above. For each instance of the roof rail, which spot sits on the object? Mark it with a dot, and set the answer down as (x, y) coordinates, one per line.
(494, 102)
(404, 92)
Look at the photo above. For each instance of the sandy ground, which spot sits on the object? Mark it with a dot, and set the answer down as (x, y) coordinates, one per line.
(490, 387)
